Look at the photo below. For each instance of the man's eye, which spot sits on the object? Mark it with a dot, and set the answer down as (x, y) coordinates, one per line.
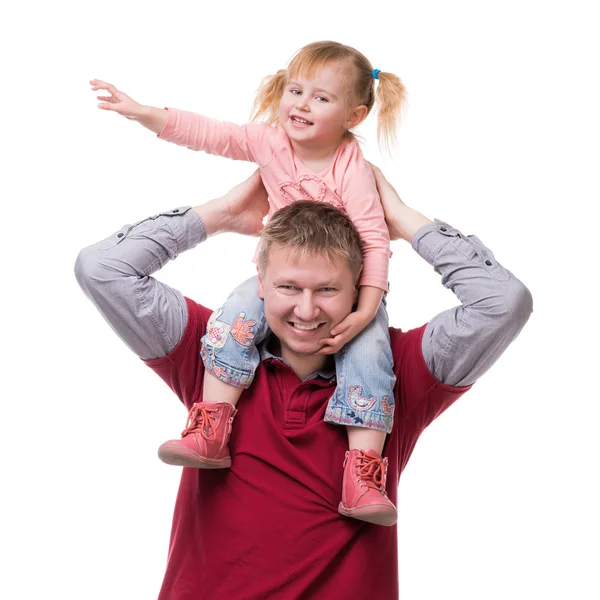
(287, 287)
(328, 289)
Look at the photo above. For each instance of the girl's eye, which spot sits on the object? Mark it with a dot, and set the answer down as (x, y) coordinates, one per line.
(296, 92)
(322, 99)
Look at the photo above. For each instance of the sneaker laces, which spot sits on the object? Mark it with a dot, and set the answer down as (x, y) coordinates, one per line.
(372, 471)
(200, 421)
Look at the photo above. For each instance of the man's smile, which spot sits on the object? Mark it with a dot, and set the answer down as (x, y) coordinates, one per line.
(308, 327)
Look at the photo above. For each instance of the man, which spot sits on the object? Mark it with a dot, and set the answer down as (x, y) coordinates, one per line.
(269, 526)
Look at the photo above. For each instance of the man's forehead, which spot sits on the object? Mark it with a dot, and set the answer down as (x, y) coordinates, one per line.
(286, 263)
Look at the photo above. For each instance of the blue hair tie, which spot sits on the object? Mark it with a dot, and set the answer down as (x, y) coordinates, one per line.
(375, 73)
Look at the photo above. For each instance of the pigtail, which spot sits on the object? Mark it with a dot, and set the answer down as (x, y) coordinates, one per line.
(390, 97)
(268, 96)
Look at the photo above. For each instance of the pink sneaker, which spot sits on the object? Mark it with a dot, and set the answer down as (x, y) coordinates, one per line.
(363, 489)
(203, 443)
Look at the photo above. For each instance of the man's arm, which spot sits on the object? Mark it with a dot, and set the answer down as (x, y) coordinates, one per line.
(461, 344)
(116, 273)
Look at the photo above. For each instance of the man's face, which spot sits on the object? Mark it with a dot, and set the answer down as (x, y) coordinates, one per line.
(305, 297)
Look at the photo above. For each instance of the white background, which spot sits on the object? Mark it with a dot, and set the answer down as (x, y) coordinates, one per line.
(500, 139)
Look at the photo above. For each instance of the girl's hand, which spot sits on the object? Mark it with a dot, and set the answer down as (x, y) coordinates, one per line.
(343, 332)
(117, 101)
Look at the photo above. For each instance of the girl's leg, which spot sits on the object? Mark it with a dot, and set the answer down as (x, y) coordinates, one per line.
(229, 349)
(364, 402)
(364, 396)
(215, 390)
(230, 358)
(361, 438)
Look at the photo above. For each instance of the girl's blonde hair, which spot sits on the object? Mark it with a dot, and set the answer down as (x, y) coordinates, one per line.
(359, 81)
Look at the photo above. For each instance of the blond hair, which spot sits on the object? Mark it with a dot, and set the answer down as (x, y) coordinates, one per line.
(389, 95)
(313, 228)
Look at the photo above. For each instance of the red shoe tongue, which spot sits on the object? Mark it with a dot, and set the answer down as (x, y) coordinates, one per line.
(372, 453)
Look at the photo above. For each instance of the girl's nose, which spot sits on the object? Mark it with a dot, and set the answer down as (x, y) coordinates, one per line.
(302, 104)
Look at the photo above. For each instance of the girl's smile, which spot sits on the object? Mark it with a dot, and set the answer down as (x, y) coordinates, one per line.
(315, 112)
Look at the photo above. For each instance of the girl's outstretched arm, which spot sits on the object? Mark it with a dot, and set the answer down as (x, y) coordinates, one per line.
(150, 117)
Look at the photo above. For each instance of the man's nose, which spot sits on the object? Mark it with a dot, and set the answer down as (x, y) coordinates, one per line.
(306, 308)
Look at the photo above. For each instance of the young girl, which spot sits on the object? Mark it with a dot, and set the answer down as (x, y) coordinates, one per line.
(305, 151)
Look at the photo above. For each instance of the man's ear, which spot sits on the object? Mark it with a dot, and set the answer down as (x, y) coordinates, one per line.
(357, 285)
(261, 289)
(357, 115)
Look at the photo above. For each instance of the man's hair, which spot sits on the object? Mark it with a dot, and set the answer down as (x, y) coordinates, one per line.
(314, 228)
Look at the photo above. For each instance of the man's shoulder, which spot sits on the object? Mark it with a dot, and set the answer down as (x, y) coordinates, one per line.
(197, 320)
(421, 396)
(182, 369)
(403, 342)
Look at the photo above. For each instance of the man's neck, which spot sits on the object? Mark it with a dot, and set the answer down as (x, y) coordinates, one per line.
(303, 365)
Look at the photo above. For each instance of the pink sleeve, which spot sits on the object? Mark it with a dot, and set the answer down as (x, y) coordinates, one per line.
(239, 142)
(361, 202)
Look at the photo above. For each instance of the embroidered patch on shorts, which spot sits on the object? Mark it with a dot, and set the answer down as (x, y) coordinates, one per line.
(243, 331)
(357, 401)
(216, 331)
(219, 372)
(203, 354)
(388, 408)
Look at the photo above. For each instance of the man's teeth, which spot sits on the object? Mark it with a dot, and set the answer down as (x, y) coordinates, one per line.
(305, 327)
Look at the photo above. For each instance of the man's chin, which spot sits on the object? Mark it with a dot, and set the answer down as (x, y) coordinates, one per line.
(299, 349)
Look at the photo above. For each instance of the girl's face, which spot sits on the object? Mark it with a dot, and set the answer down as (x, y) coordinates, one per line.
(314, 112)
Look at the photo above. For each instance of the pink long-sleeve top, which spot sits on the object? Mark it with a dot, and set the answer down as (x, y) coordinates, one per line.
(347, 183)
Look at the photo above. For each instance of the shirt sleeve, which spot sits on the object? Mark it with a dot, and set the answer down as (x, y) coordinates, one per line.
(251, 142)
(460, 344)
(362, 204)
(182, 369)
(421, 398)
(116, 275)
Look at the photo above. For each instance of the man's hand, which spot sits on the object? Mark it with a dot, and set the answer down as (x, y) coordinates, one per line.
(402, 221)
(241, 210)
(343, 332)
(247, 205)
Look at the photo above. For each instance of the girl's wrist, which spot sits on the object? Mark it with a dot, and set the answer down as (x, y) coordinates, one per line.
(152, 118)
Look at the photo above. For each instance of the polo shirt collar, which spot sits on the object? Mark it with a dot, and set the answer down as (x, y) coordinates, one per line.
(325, 373)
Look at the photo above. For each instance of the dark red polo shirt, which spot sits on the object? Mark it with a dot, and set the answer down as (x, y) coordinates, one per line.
(269, 527)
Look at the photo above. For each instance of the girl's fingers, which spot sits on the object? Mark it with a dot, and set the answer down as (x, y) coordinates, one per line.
(106, 98)
(102, 85)
(99, 82)
(326, 350)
